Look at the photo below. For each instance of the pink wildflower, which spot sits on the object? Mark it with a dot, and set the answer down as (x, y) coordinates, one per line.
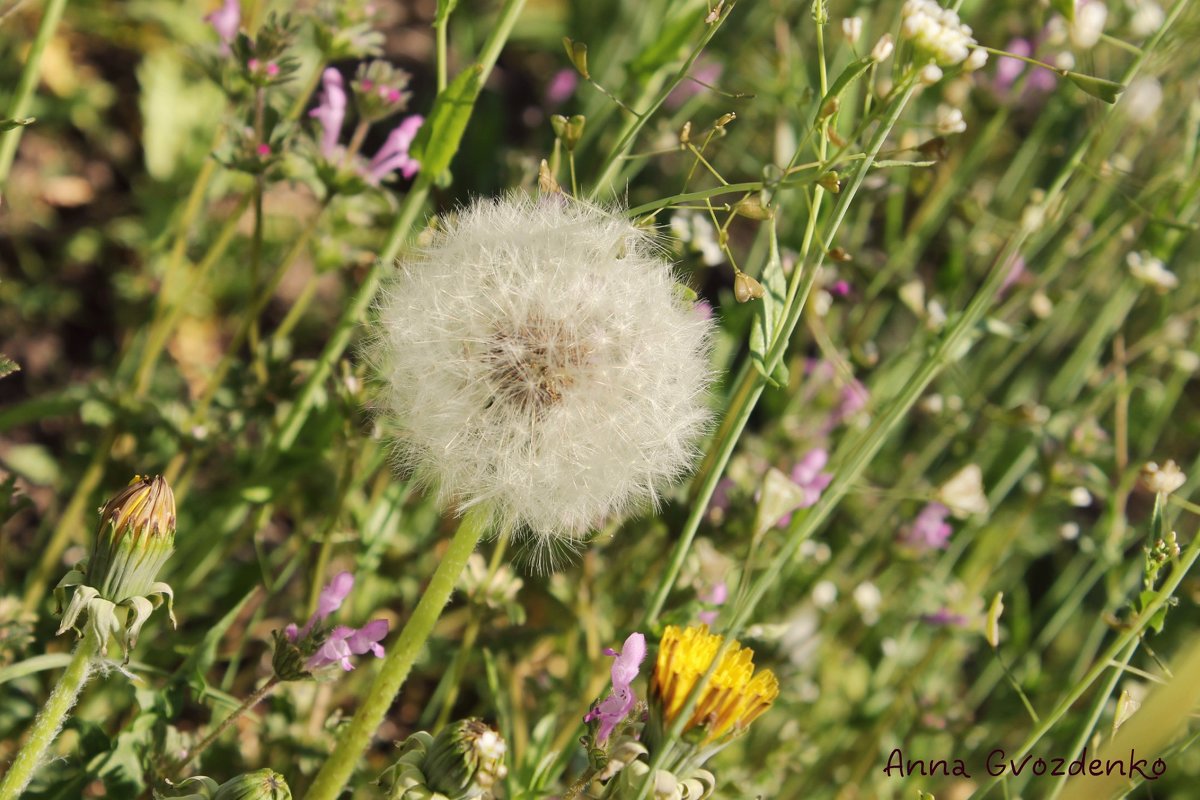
(708, 73)
(343, 641)
(930, 531)
(808, 476)
(621, 701)
(716, 596)
(225, 21)
(561, 87)
(394, 153)
(331, 111)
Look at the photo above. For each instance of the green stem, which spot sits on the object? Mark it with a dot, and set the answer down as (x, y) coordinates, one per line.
(215, 733)
(25, 88)
(50, 720)
(356, 738)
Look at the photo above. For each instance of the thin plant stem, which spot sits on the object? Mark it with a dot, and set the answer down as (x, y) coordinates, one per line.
(27, 84)
(250, 702)
(351, 743)
(50, 720)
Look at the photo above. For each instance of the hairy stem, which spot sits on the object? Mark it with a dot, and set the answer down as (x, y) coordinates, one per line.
(50, 720)
(336, 770)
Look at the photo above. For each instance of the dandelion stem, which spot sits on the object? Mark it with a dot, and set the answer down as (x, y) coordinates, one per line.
(50, 720)
(29, 80)
(356, 738)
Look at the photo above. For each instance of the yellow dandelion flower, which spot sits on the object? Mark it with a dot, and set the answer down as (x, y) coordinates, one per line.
(734, 696)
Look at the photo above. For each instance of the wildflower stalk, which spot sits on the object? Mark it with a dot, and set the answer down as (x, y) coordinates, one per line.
(1131, 635)
(751, 382)
(250, 702)
(50, 719)
(351, 743)
(27, 85)
(633, 125)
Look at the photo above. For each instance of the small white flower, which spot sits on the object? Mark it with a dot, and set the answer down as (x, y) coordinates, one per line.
(936, 31)
(868, 599)
(1069, 531)
(538, 358)
(1088, 26)
(950, 120)
(929, 74)
(977, 60)
(824, 594)
(1142, 99)
(852, 28)
(1080, 497)
(695, 229)
(1150, 271)
(1164, 479)
(883, 48)
(963, 493)
(1040, 305)
(1147, 19)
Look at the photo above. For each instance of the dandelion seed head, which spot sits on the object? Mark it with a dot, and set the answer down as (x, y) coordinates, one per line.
(538, 357)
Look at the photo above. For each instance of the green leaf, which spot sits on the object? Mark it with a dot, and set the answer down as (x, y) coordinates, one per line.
(1064, 7)
(1108, 91)
(439, 137)
(852, 71)
(7, 366)
(762, 332)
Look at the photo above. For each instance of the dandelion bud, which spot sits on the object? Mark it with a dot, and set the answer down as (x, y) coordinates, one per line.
(263, 784)
(746, 288)
(883, 48)
(465, 760)
(538, 359)
(135, 538)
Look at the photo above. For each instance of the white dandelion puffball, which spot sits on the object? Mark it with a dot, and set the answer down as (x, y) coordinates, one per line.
(539, 357)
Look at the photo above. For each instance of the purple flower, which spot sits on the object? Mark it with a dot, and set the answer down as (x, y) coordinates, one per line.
(344, 642)
(708, 73)
(621, 701)
(225, 21)
(394, 153)
(561, 87)
(1016, 269)
(946, 617)
(854, 398)
(331, 111)
(715, 596)
(808, 476)
(930, 531)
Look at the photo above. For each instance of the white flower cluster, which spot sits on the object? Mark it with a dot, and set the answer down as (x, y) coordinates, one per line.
(539, 358)
(1151, 271)
(939, 33)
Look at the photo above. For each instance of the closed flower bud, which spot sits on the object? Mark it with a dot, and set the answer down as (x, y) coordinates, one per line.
(465, 760)
(746, 288)
(135, 538)
(263, 784)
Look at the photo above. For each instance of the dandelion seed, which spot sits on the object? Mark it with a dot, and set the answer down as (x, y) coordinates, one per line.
(539, 359)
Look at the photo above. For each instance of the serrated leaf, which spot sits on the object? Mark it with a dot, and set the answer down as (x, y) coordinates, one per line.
(439, 137)
(762, 332)
(1102, 89)
(852, 71)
